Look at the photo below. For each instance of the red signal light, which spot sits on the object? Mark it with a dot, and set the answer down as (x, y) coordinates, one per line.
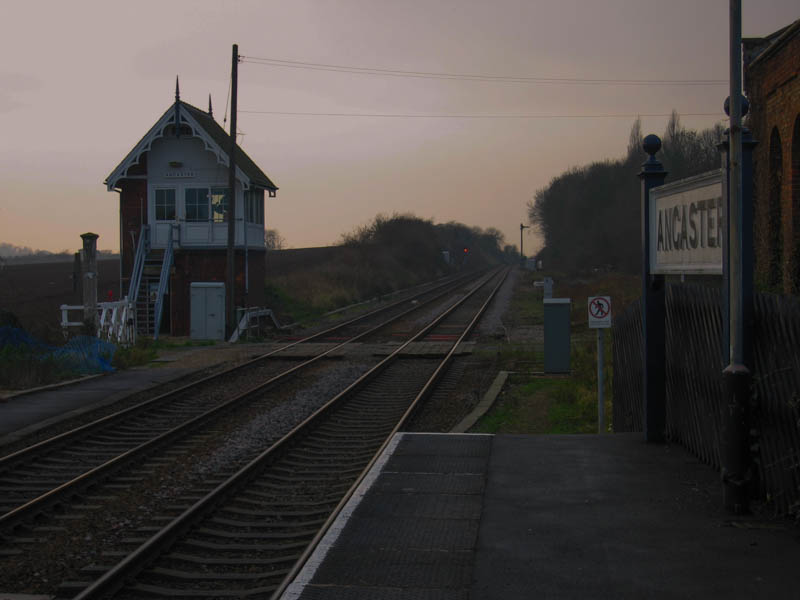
(466, 250)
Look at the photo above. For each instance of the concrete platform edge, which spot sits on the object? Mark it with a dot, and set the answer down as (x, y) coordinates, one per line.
(46, 388)
(306, 574)
(484, 405)
(14, 436)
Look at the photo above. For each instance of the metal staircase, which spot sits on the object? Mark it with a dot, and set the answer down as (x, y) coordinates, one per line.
(149, 283)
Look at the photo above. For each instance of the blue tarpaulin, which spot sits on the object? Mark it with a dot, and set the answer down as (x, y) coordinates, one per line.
(83, 354)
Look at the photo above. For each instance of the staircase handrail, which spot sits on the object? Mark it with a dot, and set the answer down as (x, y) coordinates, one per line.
(163, 281)
(138, 264)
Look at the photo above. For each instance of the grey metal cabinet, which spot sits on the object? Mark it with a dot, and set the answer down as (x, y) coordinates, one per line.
(557, 335)
(207, 305)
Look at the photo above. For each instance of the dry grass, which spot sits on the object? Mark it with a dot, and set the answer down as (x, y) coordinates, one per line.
(532, 403)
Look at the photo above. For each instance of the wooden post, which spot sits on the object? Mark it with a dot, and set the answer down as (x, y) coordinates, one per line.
(230, 272)
(653, 308)
(521, 253)
(89, 268)
(76, 272)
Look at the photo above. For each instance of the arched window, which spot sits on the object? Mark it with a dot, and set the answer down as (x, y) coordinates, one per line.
(774, 228)
(796, 206)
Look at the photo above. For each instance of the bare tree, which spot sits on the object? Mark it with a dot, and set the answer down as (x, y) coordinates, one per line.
(635, 140)
(273, 240)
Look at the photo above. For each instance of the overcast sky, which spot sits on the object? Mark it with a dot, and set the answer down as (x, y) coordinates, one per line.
(82, 81)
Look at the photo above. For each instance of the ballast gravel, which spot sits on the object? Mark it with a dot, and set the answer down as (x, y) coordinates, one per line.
(81, 541)
(266, 428)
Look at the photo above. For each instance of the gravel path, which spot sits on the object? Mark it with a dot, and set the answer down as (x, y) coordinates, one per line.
(491, 324)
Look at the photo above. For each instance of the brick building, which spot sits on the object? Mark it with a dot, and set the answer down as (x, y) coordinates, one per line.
(173, 211)
(772, 84)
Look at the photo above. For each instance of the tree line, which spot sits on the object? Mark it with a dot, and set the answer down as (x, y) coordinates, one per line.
(405, 242)
(590, 216)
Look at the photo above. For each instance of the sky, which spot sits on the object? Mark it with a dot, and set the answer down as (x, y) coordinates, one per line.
(82, 81)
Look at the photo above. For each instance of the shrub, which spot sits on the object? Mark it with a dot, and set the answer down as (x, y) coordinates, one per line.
(22, 368)
(141, 353)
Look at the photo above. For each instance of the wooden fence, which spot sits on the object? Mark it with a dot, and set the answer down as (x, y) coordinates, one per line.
(694, 383)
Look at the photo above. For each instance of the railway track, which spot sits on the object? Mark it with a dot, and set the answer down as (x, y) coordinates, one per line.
(248, 535)
(40, 476)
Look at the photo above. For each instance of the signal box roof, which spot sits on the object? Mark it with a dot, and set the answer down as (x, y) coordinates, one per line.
(203, 126)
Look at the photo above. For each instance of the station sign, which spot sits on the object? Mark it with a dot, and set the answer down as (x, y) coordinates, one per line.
(599, 312)
(687, 219)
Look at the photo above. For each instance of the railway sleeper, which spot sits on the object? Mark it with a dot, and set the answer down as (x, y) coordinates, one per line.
(316, 472)
(316, 453)
(71, 516)
(277, 514)
(223, 578)
(92, 507)
(327, 444)
(275, 501)
(90, 456)
(25, 486)
(256, 535)
(278, 523)
(48, 462)
(69, 589)
(351, 433)
(112, 438)
(133, 541)
(127, 479)
(306, 488)
(154, 591)
(207, 560)
(340, 464)
(239, 547)
(49, 529)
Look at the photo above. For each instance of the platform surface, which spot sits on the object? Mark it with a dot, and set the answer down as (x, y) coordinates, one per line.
(22, 415)
(479, 517)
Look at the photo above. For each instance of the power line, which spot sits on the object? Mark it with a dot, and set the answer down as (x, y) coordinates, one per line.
(293, 64)
(475, 116)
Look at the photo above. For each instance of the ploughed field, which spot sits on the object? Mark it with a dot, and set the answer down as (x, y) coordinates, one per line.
(35, 292)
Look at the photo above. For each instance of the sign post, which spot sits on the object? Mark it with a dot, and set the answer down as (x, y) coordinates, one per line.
(652, 176)
(600, 319)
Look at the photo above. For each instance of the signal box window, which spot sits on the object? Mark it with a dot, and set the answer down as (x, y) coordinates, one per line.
(219, 204)
(254, 206)
(165, 205)
(196, 204)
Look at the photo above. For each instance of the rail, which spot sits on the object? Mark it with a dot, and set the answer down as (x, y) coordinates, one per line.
(150, 550)
(26, 454)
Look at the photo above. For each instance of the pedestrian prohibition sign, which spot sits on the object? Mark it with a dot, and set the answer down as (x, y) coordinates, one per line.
(599, 311)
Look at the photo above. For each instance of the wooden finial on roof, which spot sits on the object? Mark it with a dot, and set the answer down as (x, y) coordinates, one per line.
(177, 90)
(210, 112)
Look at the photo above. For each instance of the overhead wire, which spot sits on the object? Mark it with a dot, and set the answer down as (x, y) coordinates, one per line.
(476, 116)
(293, 64)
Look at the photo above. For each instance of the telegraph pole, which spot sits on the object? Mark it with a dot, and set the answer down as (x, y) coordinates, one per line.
(521, 253)
(230, 271)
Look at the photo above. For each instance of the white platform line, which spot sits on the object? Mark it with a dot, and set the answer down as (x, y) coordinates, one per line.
(329, 539)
